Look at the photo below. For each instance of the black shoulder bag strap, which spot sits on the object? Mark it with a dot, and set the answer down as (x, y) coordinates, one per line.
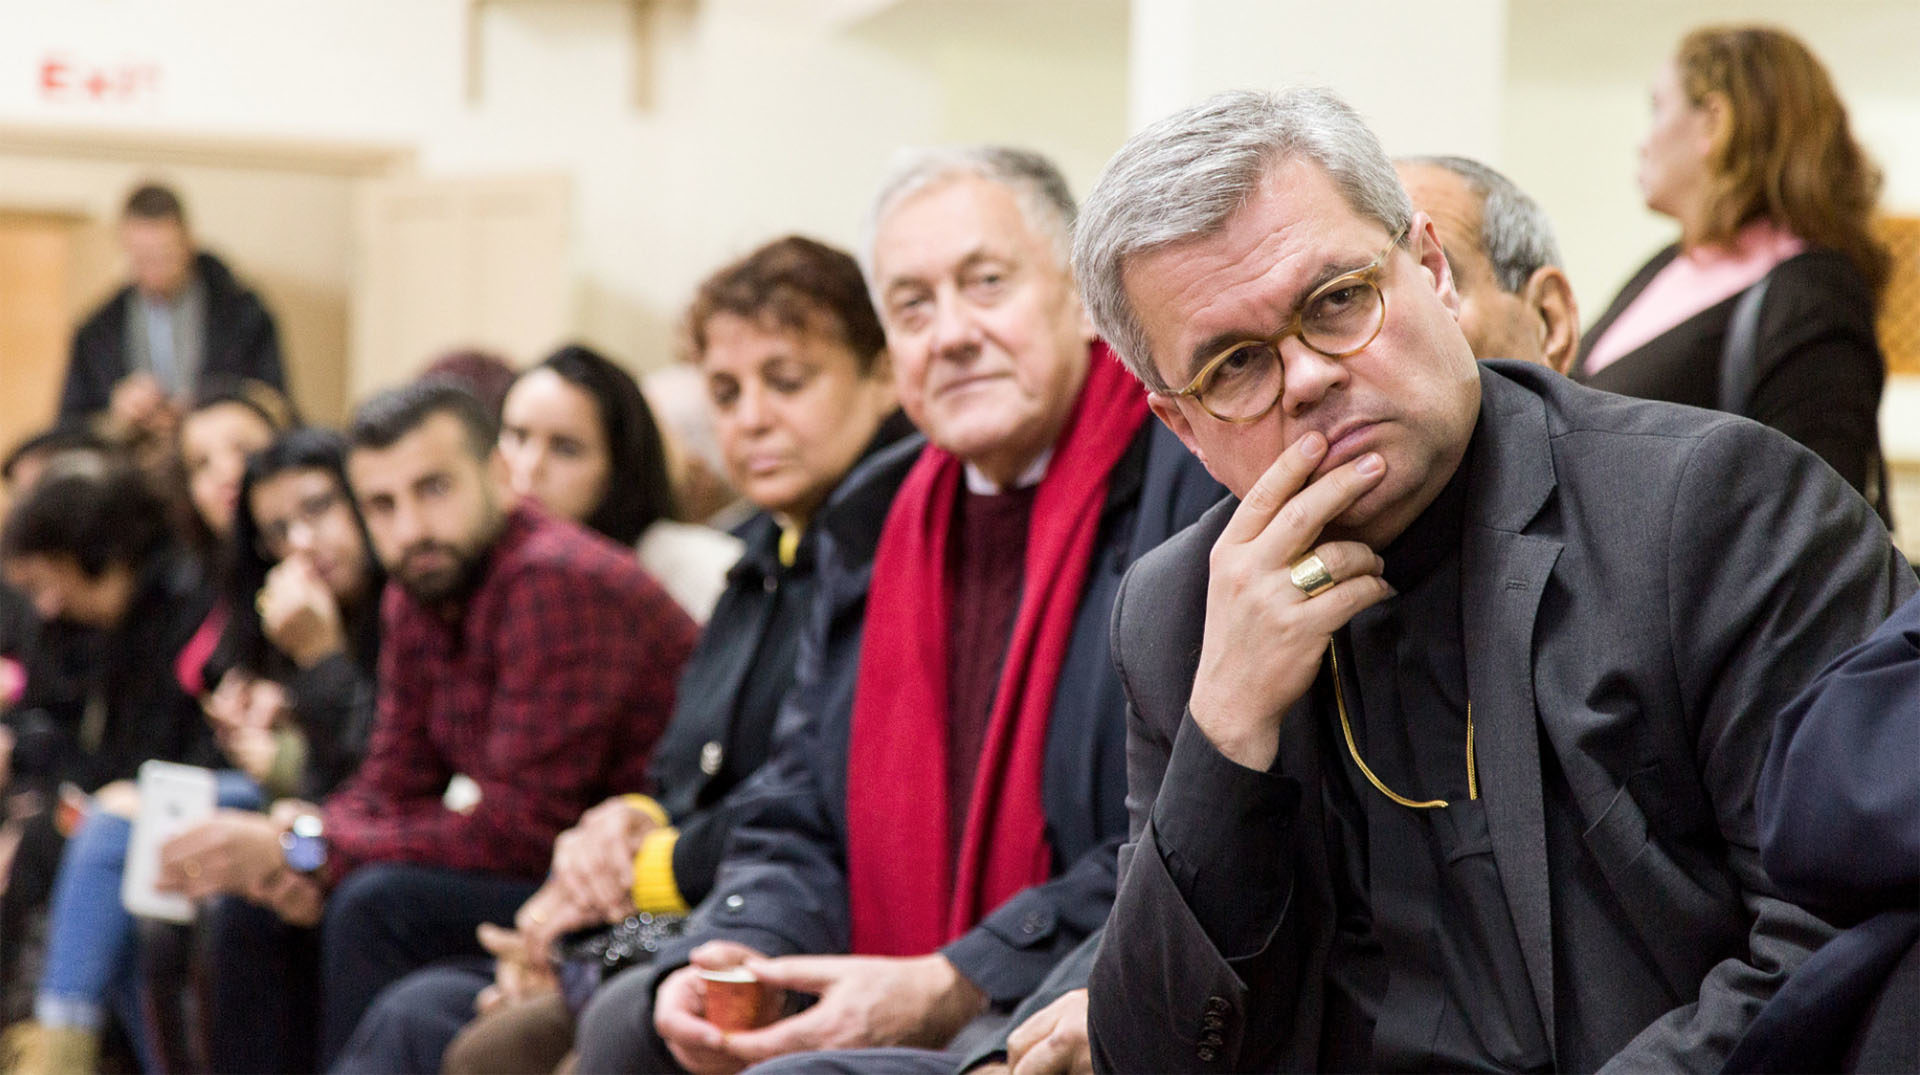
(1740, 372)
(1740, 355)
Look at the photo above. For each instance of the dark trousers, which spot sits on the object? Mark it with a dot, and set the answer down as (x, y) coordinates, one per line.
(383, 922)
(1854, 1005)
(616, 1035)
(23, 916)
(413, 1020)
(1888, 1037)
(262, 982)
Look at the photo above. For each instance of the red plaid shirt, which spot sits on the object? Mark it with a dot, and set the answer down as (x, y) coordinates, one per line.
(549, 692)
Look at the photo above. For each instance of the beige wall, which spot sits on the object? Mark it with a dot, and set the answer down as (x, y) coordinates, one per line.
(771, 117)
(779, 115)
(338, 69)
(1427, 76)
(768, 116)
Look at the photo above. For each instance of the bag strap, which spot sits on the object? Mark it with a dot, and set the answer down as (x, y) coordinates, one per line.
(1739, 356)
(1739, 372)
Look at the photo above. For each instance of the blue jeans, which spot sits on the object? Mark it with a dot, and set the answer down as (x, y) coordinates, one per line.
(91, 950)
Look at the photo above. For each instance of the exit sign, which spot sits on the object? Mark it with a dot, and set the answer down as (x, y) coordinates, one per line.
(64, 79)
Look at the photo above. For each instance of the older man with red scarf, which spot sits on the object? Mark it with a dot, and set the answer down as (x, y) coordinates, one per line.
(937, 831)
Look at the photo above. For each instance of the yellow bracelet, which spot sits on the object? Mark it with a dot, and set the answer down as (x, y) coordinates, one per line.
(646, 805)
(654, 888)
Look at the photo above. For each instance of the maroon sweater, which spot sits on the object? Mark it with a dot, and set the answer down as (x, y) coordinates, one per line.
(987, 570)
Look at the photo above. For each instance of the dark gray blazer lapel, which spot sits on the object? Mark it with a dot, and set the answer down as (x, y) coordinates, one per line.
(1507, 574)
(1504, 573)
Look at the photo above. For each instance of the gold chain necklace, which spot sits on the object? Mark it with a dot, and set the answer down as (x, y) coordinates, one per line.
(1346, 726)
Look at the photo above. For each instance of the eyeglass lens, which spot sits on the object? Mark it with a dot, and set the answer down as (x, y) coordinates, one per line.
(308, 513)
(1336, 323)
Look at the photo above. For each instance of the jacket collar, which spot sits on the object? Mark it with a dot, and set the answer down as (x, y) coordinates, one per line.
(760, 558)
(1504, 574)
(1512, 474)
(1619, 306)
(857, 510)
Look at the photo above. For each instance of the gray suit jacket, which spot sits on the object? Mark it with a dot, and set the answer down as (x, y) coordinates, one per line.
(1645, 585)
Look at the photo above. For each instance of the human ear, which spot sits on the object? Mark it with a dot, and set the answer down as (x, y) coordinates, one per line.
(1549, 294)
(1717, 113)
(1168, 411)
(1423, 241)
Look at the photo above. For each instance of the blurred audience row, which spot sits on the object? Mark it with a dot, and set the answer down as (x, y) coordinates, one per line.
(543, 708)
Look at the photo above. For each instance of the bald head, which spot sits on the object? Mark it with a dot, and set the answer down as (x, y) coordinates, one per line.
(1515, 300)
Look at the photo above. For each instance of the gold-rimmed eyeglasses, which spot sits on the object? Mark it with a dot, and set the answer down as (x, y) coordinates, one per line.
(1340, 318)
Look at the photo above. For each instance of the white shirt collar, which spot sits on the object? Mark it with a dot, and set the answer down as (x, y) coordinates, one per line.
(981, 485)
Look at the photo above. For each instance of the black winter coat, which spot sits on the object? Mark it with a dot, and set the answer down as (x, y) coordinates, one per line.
(731, 688)
(241, 342)
(100, 702)
(782, 887)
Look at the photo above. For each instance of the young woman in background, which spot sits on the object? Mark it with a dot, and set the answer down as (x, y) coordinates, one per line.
(579, 438)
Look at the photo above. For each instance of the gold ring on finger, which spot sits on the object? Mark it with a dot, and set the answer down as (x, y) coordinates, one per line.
(1310, 575)
(191, 869)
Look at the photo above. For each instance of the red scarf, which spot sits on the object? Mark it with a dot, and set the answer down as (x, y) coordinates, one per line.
(905, 896)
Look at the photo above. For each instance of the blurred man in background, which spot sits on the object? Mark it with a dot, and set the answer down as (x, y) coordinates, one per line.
(1515, 299)
(182, 318)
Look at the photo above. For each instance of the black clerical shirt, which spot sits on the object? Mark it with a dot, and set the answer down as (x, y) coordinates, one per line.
(1426, 971)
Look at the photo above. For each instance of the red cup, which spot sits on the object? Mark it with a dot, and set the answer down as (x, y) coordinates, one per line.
(735, 999)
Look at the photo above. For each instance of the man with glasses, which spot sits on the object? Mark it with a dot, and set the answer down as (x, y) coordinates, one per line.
(1444, 734)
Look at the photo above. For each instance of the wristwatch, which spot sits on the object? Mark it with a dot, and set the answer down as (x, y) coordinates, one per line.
(305, 844)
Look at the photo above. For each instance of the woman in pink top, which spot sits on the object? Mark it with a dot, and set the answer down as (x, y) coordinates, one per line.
(1750, 151)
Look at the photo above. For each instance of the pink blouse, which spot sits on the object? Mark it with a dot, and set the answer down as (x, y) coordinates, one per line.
(1690, 283)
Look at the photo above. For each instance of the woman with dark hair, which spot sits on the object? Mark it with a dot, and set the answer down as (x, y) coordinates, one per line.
(93, 549)
(296, 698)
(1765, 307)
(796, 370)
(89, 933)
(579, 438)
(300, 599)
(302, 587)
(229, 421)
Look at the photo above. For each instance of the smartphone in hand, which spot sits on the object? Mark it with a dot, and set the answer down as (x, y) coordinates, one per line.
(173, 799)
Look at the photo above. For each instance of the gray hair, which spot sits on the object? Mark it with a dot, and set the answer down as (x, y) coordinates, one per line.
(1041, 192)
(1185, 176)
(1515, 234)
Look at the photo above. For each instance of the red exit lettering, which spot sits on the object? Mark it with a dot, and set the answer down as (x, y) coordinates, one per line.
(65, 80)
